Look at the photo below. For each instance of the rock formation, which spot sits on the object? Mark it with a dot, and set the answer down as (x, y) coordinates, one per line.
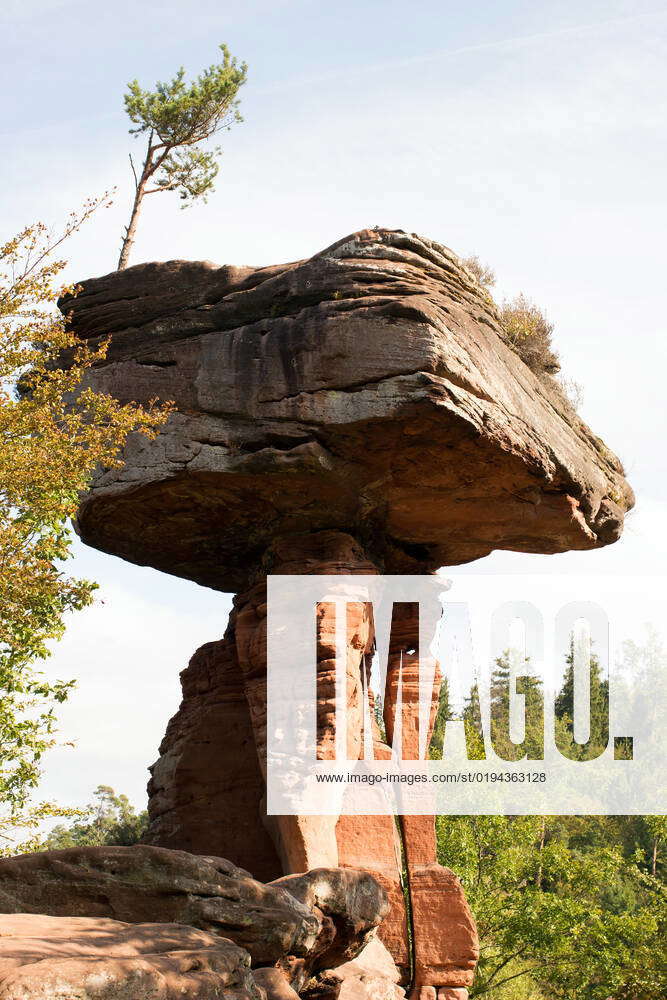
(357, 412)
(152, 884)
(368, 389)
(84, 958)
(301, 926)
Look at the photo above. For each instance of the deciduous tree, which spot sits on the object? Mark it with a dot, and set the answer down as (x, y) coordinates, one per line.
(48, 452)
(558, 918)
(109, 820)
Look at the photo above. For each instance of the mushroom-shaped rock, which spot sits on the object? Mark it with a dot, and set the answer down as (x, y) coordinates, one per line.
(370, 387)
(358, 412)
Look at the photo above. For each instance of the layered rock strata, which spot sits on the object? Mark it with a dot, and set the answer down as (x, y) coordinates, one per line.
(152, 901)
(368, 389)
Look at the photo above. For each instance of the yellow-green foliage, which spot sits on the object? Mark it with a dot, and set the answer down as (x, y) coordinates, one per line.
(529, 333)
(526, 327)
(48, 451)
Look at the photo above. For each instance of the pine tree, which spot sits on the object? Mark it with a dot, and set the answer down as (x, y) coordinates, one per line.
(472, 720)
(442, 717)
(176, 119)
(532, 745)
(599, 711)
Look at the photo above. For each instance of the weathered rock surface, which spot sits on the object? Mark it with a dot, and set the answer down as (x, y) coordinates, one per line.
(207, 757)
(369, 387)
(444, 935)
(373, 975)
(150, 884)
(446, 943)
(200, 736)
(301, 923)
(203, 734)
(443, 925)
(353, 901)
(274, 984)
(354, 834)
(81, 958)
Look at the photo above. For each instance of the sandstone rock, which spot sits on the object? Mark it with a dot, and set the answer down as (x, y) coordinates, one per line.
(357, 412)
(354, 901)
(188, 782)
(207, 729)
(306, 838)
(308, 395)
(352, 986)
(375, 959)
(79, 958)
(354, 834)
(444, 935)
(149, 884)
(301, 923)
(274, 984)
(446, 945)
(373, 975)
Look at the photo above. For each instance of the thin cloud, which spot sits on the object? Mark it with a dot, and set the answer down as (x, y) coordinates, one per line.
(23, 10)
(519, 41)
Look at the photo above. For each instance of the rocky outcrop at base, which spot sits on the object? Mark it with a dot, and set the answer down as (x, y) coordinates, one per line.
(352, 901)
(139, 884)
(373, 975)
(301, 925)
(94, 958)
(274, 984)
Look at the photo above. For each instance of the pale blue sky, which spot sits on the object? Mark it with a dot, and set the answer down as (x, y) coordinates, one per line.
(531, 133)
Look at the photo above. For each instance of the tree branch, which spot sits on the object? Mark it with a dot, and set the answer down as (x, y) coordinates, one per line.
(533, 968)
(134, 172)
(504, 962)
(162, 187)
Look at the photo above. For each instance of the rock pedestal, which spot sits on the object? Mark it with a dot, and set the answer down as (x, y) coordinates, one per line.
(443, 930)
(445, 945)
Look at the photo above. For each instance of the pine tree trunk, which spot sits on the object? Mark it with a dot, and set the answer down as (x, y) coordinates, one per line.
(131, 231)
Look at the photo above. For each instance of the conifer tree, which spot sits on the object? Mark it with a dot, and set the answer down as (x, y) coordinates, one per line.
(532, 746)
(176, 118)
(599, 711)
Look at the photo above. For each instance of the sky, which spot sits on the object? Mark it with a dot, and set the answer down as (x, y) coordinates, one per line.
(529, 133)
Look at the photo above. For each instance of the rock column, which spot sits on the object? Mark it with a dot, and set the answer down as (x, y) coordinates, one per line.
(207, 788)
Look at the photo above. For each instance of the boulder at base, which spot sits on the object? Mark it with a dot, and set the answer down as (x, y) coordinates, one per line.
(302, 924)
(373, 975)
(93, 958)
